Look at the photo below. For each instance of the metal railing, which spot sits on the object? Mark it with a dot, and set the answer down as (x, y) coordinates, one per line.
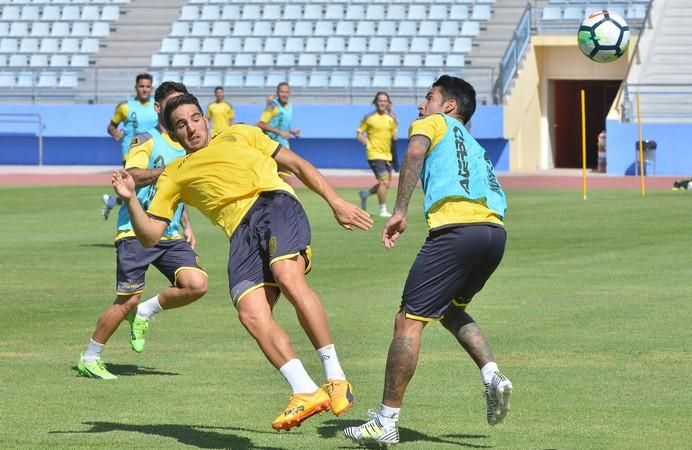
(658, 101)
(509, 65)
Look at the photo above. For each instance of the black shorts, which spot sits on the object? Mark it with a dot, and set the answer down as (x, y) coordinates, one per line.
(133, 260)
(451, 267)
(274, 228)
(381, 168)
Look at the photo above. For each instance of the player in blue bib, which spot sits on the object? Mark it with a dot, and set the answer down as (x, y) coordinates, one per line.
(276, 120)
(464, 206)
(173, 255)
(136, 115)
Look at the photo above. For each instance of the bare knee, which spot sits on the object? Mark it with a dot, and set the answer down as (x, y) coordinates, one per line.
(385, 183)
(194, 283)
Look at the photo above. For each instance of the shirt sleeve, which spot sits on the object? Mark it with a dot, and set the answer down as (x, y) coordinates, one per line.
(262, 142)
(140, 152)
(165, 202)
(231, 112)
(363, 125)
(120, 113)
(269, 113)
(208, 113)
(434, 127)
(393, 127)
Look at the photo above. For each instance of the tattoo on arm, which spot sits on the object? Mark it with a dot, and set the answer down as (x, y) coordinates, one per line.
(401, 364)
(410, 173)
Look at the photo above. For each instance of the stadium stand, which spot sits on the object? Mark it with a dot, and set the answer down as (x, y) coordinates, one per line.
(47, 44)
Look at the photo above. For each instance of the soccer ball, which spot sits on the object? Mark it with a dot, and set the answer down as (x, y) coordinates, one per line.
(603, 36)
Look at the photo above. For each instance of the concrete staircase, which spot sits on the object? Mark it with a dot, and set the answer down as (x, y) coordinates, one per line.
(127, 50)
(490, 45)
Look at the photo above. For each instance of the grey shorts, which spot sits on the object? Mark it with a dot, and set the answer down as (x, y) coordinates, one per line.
(133, 260)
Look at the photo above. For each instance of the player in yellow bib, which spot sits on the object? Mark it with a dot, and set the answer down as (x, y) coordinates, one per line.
(220, 112)
(377, 131)
(232, 179)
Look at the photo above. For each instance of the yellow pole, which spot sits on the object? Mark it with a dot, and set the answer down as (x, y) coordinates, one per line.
(583, 142)
(641, 149)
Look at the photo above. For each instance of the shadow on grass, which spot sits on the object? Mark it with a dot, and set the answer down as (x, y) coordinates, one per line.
(100, 245)
(200, 436)
(128, 370)
(333, 428)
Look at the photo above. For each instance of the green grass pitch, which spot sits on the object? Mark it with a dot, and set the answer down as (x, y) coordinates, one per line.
(588, 315)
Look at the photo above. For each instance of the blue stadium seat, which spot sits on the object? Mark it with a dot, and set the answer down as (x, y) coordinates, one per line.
(25, 80)
(190, 45)
(293, 11)
(60, 29)
(419, 44)
(412, 60)
(254, 79)
(189, 12)
(286, 60)
(302, 28)
(440, 45)
(192, 79)
(180, 60)
(382, 79)
(314, 44)
(349, 60)
(212, 79)
(438, 12)
(220, 29)
(19, 29)
(355, 12)
(396, 11)
(47, 80)
(361, 80)
(335, 44)
(271, 12)
(334, 12)
(262, 29)
(222, 60)
(211, 45)
(201, 60)
(407, 28)
(312, 11)
(29, 45)
(230, 12)
(297, 79)
(7, 79)
(80, 29)
(339, 80)
(329, 60)
(324, 29)
(233, 79)
(251, 12)
(264, 60)
(38, 60)
(344, 28)
(459, 12)
(370, 60)
(68, 80)
(449, 28)
(242, 29)
(210, 13)
(318, 80)
(18, 60)
(79, 61)
(357, 44)
(38, 29)
(59, 61)
(273, 44)
(375, 12)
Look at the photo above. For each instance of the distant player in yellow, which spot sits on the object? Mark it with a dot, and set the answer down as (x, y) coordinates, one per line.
(136, 115)
(220, 112)
(376, 132)
(276, 120)
(232, 179)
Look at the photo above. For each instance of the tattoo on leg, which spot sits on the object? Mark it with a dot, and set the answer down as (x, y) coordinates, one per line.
(401, 364)
(471, 337)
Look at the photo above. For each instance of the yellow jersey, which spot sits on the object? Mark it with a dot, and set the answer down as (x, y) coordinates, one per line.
(381, 129)
(451, 211)
(222, 180)
(221, 115)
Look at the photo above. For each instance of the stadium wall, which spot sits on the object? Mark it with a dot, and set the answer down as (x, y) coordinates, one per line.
(76, 134)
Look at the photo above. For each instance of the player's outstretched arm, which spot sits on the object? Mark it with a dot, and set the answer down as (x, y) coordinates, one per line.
(408, 179)
(145, 177)
(147, 229)
(347, 214)
(114, 131)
